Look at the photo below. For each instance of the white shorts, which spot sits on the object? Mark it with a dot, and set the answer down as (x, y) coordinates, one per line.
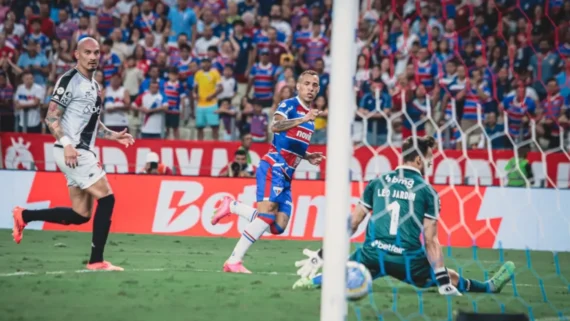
(87, 172)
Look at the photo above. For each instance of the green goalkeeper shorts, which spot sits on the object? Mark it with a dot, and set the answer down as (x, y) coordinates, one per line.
(412, 269)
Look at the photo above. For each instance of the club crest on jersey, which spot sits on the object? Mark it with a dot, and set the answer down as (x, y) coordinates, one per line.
(277, 190)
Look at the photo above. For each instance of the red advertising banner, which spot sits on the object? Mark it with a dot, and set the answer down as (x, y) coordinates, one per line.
(205, 159)
(177, 205)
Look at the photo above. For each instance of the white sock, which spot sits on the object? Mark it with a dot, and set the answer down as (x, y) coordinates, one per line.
(252, 233)
(245, 211)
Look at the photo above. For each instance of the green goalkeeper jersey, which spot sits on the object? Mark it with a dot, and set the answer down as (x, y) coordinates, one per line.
(399, 201)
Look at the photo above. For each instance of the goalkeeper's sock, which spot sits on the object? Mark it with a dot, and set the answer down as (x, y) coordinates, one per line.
(245, 211)
(473, 286)
(252, 233)
(317, 280)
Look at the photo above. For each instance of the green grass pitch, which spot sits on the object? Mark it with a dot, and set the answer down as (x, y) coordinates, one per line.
(178, 278)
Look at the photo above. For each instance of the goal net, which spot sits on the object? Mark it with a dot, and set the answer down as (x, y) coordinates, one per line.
(488, 80)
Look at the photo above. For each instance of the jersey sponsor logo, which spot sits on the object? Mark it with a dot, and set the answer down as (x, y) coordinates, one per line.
(66, 98)
(90, 109)
(304, 135)
(387, 247)
(409, 183)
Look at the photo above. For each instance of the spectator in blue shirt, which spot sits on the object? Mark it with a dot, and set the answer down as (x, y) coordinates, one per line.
(324, 77)
(153, 75)
(563, 80)
(550, 65)
(494, 132)
(182, 20)
(245, 54)
(36, 62)
(377, 131)
(248, 5)
(503, 85)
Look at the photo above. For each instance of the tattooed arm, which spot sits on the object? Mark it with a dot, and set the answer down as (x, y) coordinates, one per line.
(281, 124)
(122, 137)
(104, 132)
(53, 120)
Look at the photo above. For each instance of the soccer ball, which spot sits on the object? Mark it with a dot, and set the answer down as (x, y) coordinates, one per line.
(358, 281)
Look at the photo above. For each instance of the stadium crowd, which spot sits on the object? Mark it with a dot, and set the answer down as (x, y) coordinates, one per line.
(216, 69)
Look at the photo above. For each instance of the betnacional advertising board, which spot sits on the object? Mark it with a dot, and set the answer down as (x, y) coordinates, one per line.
(487, 217)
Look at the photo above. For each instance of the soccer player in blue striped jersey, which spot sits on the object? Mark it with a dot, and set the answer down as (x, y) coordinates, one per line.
(293, 126)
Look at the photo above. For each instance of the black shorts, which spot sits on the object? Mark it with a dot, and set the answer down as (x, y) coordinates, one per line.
(155, 136)
(32, 130)
(266, 103)
(172, 120)
(118, 128)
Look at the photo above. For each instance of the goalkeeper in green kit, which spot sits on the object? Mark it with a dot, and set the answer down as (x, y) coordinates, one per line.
(403, 206)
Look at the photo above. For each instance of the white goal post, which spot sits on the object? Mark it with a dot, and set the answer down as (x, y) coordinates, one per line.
(339, 152)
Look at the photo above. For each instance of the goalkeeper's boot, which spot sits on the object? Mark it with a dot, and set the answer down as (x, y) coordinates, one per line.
(304, 283)
(222, 211)
(235, 268)
(503, 276)
(19, 224)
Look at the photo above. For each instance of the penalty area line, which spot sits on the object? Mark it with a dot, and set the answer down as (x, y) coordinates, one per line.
(152, 270)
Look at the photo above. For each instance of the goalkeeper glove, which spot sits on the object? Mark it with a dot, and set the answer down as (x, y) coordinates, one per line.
(444, 283)
(309, 267)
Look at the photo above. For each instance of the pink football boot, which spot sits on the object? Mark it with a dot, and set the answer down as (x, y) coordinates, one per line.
(223, 210)
(235, 268)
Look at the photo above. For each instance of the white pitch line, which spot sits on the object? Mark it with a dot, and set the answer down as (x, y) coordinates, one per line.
(28, 273)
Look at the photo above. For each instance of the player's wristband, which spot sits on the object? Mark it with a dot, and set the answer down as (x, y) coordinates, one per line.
(64, 141)
(442, 276)
(320, 253)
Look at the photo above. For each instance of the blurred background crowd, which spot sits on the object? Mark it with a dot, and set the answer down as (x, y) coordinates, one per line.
(480, 73)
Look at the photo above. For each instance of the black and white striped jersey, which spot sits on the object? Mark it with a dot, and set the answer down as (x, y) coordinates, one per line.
(80, 97)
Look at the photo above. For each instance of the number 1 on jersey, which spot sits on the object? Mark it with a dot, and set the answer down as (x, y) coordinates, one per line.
(394, 209)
